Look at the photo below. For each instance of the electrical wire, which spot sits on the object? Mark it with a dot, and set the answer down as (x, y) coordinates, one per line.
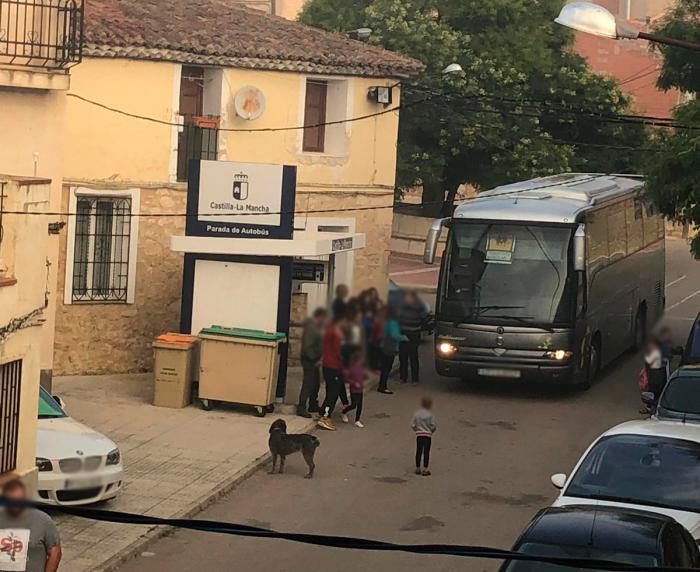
(342, 542)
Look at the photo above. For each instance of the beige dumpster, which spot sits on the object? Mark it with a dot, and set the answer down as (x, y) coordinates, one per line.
(239, 366)
(174, 370)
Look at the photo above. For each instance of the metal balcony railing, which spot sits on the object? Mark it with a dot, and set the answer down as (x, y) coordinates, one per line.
(195, 143)
(41, 33)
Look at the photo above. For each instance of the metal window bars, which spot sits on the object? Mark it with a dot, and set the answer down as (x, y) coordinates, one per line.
(41, 33)
(101, 254)
(195, 142)
(10, 386)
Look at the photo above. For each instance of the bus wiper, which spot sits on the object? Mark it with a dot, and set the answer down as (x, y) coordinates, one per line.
(522, 320)
(481, 309)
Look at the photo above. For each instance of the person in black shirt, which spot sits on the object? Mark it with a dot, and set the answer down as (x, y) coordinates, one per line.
(340, 306)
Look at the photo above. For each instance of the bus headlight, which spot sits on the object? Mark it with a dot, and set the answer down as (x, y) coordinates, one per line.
(559, 355)
(446, 348)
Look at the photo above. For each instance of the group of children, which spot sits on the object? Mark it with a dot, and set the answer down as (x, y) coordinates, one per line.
(362, 333)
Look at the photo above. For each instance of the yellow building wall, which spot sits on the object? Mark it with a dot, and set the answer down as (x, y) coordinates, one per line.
(23, 251)
(106, 150)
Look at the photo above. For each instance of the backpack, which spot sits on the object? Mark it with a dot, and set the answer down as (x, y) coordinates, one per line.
(643, 380)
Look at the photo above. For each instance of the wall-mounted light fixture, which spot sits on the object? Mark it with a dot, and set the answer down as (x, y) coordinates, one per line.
(381, 94)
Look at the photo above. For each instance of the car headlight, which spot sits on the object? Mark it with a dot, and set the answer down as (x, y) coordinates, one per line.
(559, 355)
(446, 348)
(114, 457)
(43, 465)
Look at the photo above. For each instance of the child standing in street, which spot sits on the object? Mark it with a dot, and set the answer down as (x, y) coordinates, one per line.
(356, 375)
(424, 425)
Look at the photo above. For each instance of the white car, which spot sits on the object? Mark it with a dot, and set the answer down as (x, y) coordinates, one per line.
(77, 465)
(648, 465)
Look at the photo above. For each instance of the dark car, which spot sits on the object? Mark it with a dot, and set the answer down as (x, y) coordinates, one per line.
(626, 536)
(691, 355)
(680, 399)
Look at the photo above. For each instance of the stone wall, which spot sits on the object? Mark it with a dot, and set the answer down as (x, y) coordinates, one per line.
(98, 338)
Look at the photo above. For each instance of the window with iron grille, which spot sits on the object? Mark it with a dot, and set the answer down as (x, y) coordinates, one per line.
(201, 143)
(101, 254)
(10, 381)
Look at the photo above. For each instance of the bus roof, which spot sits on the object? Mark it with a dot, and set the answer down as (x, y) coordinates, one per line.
(556, 198)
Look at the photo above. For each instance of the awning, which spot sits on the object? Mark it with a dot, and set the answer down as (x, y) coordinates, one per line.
(303, 244)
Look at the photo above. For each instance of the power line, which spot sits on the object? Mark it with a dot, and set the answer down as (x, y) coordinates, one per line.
(342, 542)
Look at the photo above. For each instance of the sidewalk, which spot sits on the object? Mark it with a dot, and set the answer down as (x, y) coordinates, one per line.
(176, 461)
(410, 272)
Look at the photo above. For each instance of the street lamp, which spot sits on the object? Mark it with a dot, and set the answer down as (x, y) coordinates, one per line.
(360, 33)
(593, 19)
(452, 69)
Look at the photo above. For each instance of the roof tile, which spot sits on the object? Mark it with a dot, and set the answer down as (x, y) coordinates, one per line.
(215, 32)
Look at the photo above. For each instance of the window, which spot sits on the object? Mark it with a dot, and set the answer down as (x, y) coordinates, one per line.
(635, 231)
(617, 231)
(314, 114)
(597, 235)
(200, 106)
(100, 263)
(10, 382)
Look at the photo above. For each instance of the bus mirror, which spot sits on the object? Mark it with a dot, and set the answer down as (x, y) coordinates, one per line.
(431, 242)
(580, 248)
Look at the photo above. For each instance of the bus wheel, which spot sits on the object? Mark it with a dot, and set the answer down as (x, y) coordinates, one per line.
(640, 329)
(592, 365)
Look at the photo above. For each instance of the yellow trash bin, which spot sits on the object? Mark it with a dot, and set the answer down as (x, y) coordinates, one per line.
(174, 370)
(239, 366)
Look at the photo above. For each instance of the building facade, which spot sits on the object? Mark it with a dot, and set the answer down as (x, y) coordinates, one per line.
(238, 89)
(631, 62)
(40, 43)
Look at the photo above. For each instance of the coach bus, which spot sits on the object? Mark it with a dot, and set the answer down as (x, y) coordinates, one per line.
(548, 279)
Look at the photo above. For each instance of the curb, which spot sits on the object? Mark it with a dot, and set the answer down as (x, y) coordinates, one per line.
(156, 532)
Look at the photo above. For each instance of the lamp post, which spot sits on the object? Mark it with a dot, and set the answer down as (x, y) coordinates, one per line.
(360, 33)
(594, 19)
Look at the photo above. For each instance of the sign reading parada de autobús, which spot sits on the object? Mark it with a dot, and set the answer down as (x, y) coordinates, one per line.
(240, 200)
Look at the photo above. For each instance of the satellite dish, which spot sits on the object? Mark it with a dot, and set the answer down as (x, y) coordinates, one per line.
(249, 102)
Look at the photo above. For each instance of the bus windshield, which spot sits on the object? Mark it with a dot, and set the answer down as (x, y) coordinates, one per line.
(514, 273)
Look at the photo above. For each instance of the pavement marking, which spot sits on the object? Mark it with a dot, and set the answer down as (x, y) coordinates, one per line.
(676, 281)
(684, 300)
(420, 271)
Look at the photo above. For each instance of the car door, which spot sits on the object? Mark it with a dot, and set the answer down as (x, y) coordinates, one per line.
(691, 547)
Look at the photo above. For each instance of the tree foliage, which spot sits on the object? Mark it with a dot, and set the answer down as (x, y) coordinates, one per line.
(523, 107)
(673, 176)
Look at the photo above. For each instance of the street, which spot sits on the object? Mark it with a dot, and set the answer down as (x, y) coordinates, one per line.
(497, 445)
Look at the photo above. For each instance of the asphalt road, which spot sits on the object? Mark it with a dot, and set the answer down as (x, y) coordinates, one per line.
(495, 449)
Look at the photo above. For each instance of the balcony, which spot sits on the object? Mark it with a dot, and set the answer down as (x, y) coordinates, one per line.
(43, 34)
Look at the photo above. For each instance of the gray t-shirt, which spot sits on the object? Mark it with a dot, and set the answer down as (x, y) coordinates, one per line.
(26, 540)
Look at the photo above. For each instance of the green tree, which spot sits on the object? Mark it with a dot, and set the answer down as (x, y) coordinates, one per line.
(514, 114)
(673, 175)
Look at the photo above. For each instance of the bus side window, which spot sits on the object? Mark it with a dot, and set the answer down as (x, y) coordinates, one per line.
(635, 230)
(597, 236)
(651, 224)
(617, 231)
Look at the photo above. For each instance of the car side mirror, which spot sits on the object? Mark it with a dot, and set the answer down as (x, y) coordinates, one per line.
(58, 400)
(559, 480)
(648, 398)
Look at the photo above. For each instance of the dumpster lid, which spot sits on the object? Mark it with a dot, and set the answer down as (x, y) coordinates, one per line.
(179, 340)
(244, 333)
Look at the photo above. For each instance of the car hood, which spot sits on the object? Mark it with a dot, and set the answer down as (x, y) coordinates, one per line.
(689, 520)
(64, 437)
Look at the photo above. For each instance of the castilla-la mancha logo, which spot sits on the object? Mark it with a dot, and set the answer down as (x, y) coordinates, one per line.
(240, 187)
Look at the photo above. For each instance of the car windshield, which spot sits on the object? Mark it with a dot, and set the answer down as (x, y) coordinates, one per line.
(682, 396)
(508, 273)
(558, 551)
(48, 407)
(641, 469)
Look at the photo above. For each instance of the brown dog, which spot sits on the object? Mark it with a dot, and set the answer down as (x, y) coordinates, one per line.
(282, 445)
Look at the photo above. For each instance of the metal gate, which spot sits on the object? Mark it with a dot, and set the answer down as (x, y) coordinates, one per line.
(10, 381)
